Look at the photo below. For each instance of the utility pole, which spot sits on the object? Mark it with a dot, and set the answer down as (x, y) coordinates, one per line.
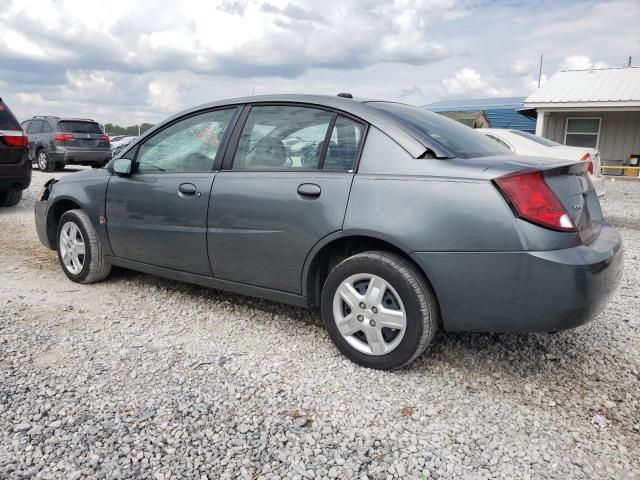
(540, 72)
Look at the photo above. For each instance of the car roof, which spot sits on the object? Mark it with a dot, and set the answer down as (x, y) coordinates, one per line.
(358, 107)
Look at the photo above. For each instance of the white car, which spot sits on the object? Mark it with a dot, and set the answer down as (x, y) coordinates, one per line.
(120, 143)
(524, 143)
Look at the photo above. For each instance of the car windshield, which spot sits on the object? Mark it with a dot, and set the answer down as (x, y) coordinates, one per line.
(535, 138)
(459, 139)
(79, 127)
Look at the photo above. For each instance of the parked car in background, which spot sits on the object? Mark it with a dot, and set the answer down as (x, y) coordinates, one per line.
(115, 138)
(394, 221)
(525, 143)
(55, 142)
(122, 142)
(15, 164)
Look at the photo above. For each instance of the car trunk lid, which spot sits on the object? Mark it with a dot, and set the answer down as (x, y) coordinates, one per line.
(569, 182)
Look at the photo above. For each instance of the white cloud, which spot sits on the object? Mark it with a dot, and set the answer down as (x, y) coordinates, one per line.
(580, 62)
(468, 83)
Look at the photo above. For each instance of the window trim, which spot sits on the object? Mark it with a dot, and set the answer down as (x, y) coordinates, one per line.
(219, 154)
(234, 142)
(566, 130)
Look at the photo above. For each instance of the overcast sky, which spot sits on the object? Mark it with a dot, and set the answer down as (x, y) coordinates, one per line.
(128, 62)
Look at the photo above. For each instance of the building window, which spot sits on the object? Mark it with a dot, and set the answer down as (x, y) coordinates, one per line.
(582, 132)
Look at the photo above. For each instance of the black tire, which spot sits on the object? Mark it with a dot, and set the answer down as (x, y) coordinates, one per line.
(95, 266)
(43, 162)
(421, 307)
(10, 199)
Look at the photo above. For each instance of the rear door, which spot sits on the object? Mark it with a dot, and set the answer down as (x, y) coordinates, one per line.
(35, 133)
(284, 188)
(158, 214)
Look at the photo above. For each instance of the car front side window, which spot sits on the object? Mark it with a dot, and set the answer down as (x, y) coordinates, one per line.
(190, 145)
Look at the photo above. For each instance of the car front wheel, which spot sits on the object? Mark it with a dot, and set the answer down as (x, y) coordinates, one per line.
(79, 249)
(379, 310)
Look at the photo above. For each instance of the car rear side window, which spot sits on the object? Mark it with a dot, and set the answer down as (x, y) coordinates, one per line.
(7, 120)
(282, 137)
(344, 143)
(459, 139)
(74, 126)
(189, 145)
(36, 127)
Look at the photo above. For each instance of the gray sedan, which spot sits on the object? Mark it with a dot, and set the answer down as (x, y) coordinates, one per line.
(394, 221)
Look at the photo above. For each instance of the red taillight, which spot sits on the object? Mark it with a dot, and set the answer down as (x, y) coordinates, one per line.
(15, 140)
(105, 139)
(587, 158)
(62, 137)
(533, 200)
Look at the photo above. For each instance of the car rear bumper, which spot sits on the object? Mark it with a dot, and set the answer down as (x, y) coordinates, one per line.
(85, 157)
(525, 291)
(15, 176)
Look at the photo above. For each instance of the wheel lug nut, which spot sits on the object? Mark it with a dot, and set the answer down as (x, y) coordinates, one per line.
(360, 318)
(374, 310)
(362, 305)
(372, 323)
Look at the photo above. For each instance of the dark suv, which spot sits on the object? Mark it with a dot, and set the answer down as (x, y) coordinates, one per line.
(15, 164)
(55, 142)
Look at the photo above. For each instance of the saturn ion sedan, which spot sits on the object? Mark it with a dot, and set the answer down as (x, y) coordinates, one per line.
(393, 221)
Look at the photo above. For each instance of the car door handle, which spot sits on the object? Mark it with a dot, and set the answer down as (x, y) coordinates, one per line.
(309, 190)
(187, 189)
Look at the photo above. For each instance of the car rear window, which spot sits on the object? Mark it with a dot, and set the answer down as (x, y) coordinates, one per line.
(7, 120)
(459, 139)
(535, 138)
(75, 126)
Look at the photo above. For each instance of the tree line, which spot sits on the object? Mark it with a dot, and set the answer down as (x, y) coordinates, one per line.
(132, 130)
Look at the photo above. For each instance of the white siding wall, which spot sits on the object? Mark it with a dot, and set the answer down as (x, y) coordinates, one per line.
(619, 132)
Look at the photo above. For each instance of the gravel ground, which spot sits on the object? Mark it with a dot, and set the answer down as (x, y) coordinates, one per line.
(149, 378)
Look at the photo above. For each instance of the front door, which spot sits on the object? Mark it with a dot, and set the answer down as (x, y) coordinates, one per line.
(286, 189)
(158, 214)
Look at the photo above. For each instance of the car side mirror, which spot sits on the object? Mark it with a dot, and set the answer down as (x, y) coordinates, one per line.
(122, 166)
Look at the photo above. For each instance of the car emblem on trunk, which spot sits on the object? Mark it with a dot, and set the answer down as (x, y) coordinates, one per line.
(577, 207)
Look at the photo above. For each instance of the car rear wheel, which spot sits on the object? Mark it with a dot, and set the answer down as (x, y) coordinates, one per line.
(79, 250)
(9, 199)
(42, 159)
(379, 310)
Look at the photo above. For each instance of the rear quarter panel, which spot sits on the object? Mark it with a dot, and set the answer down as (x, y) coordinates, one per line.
(427, 204)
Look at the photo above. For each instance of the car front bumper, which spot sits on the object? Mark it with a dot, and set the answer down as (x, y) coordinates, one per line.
(525, 291)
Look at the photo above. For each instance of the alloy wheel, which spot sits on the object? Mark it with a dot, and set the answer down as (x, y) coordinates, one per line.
(42, 161)
(369, 314)
(72, 248)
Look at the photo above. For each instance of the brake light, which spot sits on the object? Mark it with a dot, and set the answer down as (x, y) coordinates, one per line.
(587, 158)
(62, 137)
(105, 139)
(533, 200)
(16, 140)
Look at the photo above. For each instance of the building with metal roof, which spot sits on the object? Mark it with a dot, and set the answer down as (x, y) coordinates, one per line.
(500, 112)
(597, 108)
